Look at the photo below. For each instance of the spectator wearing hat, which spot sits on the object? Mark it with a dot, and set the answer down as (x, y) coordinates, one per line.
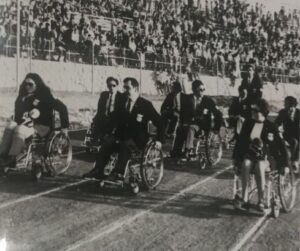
(289, 118)
(257, 144)
(106, 118)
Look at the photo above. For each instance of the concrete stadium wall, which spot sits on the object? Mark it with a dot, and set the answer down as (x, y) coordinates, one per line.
(85, 78)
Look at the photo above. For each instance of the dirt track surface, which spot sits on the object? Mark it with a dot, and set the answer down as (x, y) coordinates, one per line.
(190, 210)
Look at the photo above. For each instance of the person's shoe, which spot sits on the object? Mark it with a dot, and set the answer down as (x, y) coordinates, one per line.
(295, 166)
(94, 173)
(261, 207)
(245, 205)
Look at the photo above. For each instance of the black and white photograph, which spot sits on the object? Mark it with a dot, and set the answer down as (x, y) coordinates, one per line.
(156, 125)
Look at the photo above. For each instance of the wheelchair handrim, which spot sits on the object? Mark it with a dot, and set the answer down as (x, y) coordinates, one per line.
(144, 168)
(68, 154)
(287, 197)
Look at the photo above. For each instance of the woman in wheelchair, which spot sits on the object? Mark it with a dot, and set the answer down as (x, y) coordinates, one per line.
(34, 113)
(258, 143)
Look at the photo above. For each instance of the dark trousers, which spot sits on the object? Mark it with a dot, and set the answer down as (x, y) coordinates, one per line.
(170, 122)
(110, 146)
(294, 147)
(181, 134)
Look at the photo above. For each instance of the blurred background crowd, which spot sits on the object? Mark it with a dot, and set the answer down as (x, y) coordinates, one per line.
(218, 37)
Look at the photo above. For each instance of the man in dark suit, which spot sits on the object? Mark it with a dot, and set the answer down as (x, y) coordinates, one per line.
(258, 142)
(240, 109)
(196, 114)
(170, 109)
(132, 130)
(253, 83)
(109, 104)
(289, 118)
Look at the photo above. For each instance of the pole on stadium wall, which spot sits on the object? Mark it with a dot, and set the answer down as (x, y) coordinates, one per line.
(92, 87)
(18, 44)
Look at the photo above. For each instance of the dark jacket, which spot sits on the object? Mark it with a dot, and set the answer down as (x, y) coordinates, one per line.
(102, 123)
(254, 87)
(270, 137)
(201, 116)
(240, 108)
(290, 127)
(46, 107)
(169, 104)
(134, 125)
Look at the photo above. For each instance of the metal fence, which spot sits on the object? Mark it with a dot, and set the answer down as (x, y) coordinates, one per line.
(103, 55)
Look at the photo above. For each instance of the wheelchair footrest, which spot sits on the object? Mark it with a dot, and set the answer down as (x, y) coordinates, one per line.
(113, 182)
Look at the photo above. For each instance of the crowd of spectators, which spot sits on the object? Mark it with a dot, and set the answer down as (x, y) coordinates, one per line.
(220, 36)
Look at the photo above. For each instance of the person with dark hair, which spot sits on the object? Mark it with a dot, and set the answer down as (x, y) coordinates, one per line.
(257, 147)
(105, 120)
(289, 118)
(170, 108)
(34, 112)
(132, 130)
(240, 109)
(196, 115)
(253, 83)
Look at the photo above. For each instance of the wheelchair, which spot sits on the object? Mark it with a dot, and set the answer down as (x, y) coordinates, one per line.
(50, 155)
(208, 149)
(280, 190)
(144, 169)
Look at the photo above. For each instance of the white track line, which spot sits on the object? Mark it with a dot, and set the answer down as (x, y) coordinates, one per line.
(127, 220)
(30, 197)
(259, 225)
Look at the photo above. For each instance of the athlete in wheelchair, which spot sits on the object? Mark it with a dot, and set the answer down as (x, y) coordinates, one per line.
(33, 125)
(199, 118)
(261, 152)
(105, 120)
(289, 119)
(115, 158)
(239, 110)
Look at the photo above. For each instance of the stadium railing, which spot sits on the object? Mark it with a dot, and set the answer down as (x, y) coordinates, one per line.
(112, 56)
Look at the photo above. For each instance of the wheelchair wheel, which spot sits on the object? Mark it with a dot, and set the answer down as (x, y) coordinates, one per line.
(59, 153)
(152, 166)
(213, 148)
(287, 190)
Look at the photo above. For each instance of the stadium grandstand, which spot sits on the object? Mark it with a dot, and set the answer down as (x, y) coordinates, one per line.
(216, 37)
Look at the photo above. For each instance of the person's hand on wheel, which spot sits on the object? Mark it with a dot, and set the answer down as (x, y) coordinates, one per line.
(65, 131)
(158, 144)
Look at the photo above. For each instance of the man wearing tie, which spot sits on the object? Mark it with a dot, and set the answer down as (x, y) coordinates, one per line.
(289, 118)
(132, 130)
(105, 121)
(196, 114)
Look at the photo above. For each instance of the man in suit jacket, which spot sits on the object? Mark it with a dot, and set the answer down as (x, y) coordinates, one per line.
(106, 118)
(132, 130)
(248, 155)
(253, 83)
(289, 118)
(240, 109)
(170, 108)
(196, 114)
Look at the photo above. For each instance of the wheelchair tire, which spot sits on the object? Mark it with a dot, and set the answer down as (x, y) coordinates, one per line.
(59, 153)
(213, 148)
(287, 197)
(152, 166)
